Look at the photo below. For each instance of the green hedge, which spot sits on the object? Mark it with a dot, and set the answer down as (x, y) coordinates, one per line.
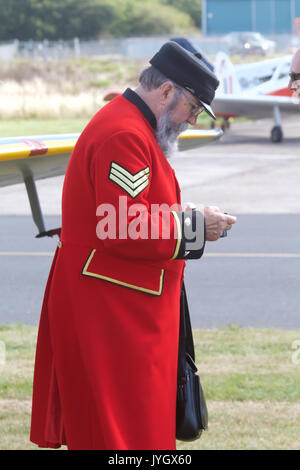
(66, 19)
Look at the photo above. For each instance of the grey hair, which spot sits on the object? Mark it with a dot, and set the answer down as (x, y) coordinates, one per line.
(151, 78)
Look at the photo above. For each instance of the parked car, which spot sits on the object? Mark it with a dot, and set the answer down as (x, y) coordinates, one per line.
(248, 43)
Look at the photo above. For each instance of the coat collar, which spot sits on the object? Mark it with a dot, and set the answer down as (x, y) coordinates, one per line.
(135, 99)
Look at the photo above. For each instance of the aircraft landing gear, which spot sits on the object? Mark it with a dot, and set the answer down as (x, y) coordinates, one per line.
(276, 134)
(36, 211)
(225, 124)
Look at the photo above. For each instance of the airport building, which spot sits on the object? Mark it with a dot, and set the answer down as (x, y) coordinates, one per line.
(269, 17)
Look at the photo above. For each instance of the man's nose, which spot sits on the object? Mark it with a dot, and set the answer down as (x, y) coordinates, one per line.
(192, 120)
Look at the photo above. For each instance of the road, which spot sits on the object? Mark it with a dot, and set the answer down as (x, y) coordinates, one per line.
(251, 278)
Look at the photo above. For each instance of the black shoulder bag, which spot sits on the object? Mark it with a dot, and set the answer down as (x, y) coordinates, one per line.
(191, 410)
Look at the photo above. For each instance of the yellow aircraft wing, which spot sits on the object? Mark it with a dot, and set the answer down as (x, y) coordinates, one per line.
(42, 156)
(194, 138)
(26, 159)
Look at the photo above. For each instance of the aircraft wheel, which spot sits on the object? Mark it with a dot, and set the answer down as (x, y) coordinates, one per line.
(226, 124)
(276, 134)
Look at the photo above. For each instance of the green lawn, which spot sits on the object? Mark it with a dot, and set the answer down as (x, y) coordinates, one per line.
(21, 127)
(16, 127)
(251, 383)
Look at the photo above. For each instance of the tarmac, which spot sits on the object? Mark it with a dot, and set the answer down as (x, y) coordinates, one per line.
(244, 172)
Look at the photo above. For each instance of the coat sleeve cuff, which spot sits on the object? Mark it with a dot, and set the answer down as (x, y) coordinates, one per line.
(191, 235)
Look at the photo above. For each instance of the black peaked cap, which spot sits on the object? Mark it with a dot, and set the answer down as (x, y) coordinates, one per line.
(185, 69)
(186, 44)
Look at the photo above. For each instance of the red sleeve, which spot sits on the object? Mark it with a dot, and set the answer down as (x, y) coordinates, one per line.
(126, 222)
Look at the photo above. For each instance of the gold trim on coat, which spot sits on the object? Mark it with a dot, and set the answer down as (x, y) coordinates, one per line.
(85, 272)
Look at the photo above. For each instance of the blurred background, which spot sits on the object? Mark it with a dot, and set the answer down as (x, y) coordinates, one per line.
(69, 54)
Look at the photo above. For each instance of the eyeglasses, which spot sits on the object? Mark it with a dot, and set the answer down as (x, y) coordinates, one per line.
(196, 110)
(294, 76)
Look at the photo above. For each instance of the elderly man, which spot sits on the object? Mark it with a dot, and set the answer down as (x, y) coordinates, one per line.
(294, 83)
(106, 360)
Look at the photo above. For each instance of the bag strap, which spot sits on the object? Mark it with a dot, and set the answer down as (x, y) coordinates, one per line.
(186, 343)
(189, 342)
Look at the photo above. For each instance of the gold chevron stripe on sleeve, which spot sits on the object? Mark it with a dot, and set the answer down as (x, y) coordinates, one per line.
(133, 184)
(132, 193)
(131, 176)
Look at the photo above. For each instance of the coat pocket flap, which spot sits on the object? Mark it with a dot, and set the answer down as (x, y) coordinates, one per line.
(125, 273)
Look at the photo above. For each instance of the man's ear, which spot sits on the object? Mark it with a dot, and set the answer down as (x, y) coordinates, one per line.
(167, 92)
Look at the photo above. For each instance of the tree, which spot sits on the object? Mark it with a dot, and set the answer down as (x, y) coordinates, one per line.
(192, 7)
(54, 19)
(66, 19)
(148, 17)
(16, 19)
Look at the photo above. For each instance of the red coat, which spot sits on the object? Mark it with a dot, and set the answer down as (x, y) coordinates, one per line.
(106, 359)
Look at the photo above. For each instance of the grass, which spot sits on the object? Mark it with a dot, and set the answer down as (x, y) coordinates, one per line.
(27, 127)
(70, 75)
(66, 88)
(16, 127)
(35, 93)
(39, 97)
(72, 88)
(251, 383)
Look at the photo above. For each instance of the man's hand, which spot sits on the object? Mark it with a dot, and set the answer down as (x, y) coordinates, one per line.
(216, 222)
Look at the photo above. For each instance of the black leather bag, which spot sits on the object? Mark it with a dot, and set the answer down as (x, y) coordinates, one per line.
(191, 409)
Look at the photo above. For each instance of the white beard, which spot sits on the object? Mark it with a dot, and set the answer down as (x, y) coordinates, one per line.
(296, 93)
(167, 132)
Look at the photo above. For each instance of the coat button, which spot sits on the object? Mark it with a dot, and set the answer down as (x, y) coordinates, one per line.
(187, 222)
